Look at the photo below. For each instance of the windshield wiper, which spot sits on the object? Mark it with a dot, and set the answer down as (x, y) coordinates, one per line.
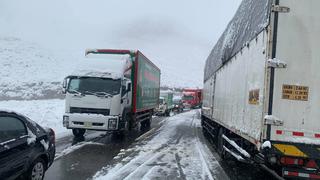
(98, 94)
(105, 94)
(89, 92)
(75, 91)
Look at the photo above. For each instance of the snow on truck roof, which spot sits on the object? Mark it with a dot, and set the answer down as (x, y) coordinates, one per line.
(251, 18)
(102, 65)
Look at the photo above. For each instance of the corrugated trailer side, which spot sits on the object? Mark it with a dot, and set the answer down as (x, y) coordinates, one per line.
(235, 79)
(239, 91)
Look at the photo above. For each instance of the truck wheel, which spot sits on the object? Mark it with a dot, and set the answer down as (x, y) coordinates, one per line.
(129, 122)
(148, 123)
(78, 132)
(168, 113)
(220, 144)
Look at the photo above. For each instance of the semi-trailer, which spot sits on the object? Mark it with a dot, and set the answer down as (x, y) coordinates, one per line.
(261, 87)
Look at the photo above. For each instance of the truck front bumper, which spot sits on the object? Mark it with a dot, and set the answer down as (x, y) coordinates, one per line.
(91, 121)
(160, 111)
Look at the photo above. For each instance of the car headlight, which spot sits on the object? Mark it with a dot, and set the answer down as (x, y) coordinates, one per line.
(112, 123)
(65, 121)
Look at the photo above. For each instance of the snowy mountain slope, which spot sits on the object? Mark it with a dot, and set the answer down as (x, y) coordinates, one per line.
(28, 71)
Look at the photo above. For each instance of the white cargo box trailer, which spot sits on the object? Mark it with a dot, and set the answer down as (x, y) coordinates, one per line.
(262, 82)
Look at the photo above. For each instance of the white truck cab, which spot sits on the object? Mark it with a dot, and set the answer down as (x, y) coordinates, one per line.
(97, 99)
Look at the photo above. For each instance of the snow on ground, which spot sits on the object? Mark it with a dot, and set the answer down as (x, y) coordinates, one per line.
(175, 152)
(47, 113)
(28, 71)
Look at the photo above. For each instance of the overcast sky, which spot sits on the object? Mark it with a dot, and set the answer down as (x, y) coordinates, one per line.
(190, 25)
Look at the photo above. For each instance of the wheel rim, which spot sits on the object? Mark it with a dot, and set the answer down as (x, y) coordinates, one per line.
(37, 171)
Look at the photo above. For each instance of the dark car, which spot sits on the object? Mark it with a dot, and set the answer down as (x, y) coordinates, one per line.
(178, 105)
(26, 149)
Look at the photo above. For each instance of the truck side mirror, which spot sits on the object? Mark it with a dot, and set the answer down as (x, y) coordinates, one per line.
(128, 87)
(64, 86)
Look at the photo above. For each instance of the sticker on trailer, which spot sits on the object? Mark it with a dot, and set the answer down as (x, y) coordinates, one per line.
(254, 96)
(293, 92)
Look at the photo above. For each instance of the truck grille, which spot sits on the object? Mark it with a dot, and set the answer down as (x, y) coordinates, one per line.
(90, 110)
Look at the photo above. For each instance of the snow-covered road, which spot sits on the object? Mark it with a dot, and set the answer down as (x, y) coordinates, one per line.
(176, 151)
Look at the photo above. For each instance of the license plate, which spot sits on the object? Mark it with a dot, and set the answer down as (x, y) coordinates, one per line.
(87, 124)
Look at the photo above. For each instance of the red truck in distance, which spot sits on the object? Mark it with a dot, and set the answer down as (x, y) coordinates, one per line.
(192, 98)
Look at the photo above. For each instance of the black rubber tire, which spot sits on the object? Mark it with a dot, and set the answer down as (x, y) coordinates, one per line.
(148, 123)
(220, 143)
(129, 122)
(78, 132)
(28, 175)
(167, 113)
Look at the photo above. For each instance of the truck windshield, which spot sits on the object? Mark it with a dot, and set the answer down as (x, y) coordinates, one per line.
(89, 85)
(187, 98)
(176, 101)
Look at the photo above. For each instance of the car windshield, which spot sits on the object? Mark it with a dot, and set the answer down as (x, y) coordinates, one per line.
(88, 85)
(187, 97)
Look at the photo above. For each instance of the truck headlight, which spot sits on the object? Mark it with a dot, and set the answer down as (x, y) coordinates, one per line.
(65, 121)
(112, 123)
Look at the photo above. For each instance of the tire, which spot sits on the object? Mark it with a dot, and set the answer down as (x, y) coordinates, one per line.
(130, 125)
(220, 144)
(78, 132)
(37, 170)
(148, 123)
(167, 113)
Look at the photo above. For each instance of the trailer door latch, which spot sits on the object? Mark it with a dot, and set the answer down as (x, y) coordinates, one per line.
(272, 120)
(276, 63)
(280, 9)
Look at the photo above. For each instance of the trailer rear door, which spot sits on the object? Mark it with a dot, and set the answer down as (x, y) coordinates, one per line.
(296, 94)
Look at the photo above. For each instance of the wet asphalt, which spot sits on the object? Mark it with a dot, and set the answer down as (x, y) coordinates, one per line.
(83, 163)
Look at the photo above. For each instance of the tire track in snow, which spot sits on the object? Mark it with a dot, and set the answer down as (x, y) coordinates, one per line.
(205, 169)
(181, 173)
(142, 170)
(176, 152)
(206, 173)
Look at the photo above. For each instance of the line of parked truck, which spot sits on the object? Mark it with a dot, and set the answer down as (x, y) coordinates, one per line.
(177, 102)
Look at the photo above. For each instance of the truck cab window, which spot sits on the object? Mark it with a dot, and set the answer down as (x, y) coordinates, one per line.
(187, 98)
(74, 84)
(11, 128)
